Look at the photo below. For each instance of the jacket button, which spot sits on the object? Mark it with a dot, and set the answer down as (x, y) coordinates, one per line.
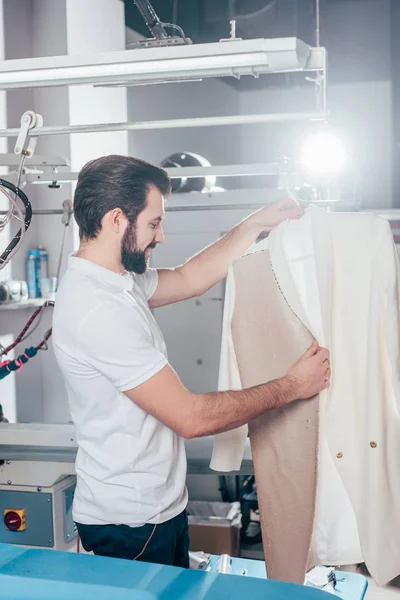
(373, 444)
(339, 455)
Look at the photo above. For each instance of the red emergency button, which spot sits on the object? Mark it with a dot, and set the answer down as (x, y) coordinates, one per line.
(14, 520)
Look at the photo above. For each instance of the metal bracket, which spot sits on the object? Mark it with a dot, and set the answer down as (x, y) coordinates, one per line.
(232, 37)
(26, 141)
(318, 62)
(159, 43)
(37, 161)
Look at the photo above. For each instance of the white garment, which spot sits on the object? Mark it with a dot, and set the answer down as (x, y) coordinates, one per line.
(131, 469)
(347, 294)
(335, 535)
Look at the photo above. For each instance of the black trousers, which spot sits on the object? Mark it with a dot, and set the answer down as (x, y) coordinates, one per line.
(166, 544)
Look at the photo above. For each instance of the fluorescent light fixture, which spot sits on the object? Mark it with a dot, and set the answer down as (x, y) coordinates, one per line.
(323, 154)
(220, 59)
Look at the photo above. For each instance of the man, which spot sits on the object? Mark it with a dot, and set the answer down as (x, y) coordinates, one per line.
(130, 409)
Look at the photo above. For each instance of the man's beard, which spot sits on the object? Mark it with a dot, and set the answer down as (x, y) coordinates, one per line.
(133, 259)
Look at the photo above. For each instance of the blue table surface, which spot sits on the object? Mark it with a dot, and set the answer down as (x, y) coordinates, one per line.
(44, 574)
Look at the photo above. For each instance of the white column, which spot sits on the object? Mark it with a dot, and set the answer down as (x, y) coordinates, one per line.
(96, 26)
(83, 27)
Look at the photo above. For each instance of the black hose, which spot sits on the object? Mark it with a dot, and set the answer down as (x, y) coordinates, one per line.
(28, 217)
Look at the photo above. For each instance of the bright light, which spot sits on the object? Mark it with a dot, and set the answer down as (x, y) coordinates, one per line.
(323, 153)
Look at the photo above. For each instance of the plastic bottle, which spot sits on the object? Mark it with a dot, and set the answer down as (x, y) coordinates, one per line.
(43, 263)
(32, 272)
(43, 272)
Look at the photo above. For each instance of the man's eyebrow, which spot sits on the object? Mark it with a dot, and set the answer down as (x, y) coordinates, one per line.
(158, 219)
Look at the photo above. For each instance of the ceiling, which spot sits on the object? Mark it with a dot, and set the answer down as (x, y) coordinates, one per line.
(208, 20)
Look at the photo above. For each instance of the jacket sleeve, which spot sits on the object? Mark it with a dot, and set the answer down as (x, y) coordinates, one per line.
(228, 446)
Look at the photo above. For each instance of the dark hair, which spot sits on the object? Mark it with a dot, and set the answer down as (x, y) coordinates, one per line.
(114, 182)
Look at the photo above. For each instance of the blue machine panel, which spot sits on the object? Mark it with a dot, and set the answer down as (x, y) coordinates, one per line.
(38, 517)
(70, 530)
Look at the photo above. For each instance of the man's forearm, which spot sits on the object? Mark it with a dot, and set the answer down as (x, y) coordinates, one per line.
(210, 266)
(192, 415)
(222, 411)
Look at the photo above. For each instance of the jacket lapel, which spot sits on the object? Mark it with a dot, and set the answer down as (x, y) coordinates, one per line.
(283, 275)
(317, 223)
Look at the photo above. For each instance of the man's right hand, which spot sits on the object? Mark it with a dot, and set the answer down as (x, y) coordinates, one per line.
(311, 373)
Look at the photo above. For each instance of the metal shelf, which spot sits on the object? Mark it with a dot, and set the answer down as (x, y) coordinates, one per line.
(33, 303)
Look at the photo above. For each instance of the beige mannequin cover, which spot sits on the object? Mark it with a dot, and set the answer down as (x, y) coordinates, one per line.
(281, 452)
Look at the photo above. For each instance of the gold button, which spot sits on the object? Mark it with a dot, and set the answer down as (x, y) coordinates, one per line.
(339, 455)
(373, 444)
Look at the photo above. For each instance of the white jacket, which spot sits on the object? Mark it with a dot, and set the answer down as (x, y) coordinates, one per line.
(339, 274)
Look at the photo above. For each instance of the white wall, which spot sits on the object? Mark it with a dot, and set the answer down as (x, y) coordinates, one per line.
(358, 37)
(90, 104)
(210, 97)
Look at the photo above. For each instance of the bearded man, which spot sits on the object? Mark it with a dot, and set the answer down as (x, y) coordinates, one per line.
(130, 410)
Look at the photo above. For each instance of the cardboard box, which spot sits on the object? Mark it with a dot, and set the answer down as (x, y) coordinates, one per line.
(214, 527)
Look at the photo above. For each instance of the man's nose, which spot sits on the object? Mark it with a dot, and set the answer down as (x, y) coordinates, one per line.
(159, 239)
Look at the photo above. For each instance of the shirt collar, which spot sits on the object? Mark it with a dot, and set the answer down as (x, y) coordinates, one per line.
(123, 281)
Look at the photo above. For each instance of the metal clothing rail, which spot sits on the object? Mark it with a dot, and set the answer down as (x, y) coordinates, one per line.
(181, 208)
(252, 170)
(201, 207)
(171, 124)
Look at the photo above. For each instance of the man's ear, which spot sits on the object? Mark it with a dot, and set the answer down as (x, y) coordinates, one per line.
(116, 220)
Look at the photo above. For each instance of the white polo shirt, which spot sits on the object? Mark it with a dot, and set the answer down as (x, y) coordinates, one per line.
(131, 469)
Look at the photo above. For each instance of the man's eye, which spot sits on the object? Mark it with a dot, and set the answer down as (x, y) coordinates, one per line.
(153, 226)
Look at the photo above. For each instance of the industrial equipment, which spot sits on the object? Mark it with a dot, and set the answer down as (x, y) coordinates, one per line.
(34, 574)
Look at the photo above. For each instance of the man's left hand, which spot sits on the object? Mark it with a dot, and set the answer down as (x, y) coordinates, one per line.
(269, 217)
